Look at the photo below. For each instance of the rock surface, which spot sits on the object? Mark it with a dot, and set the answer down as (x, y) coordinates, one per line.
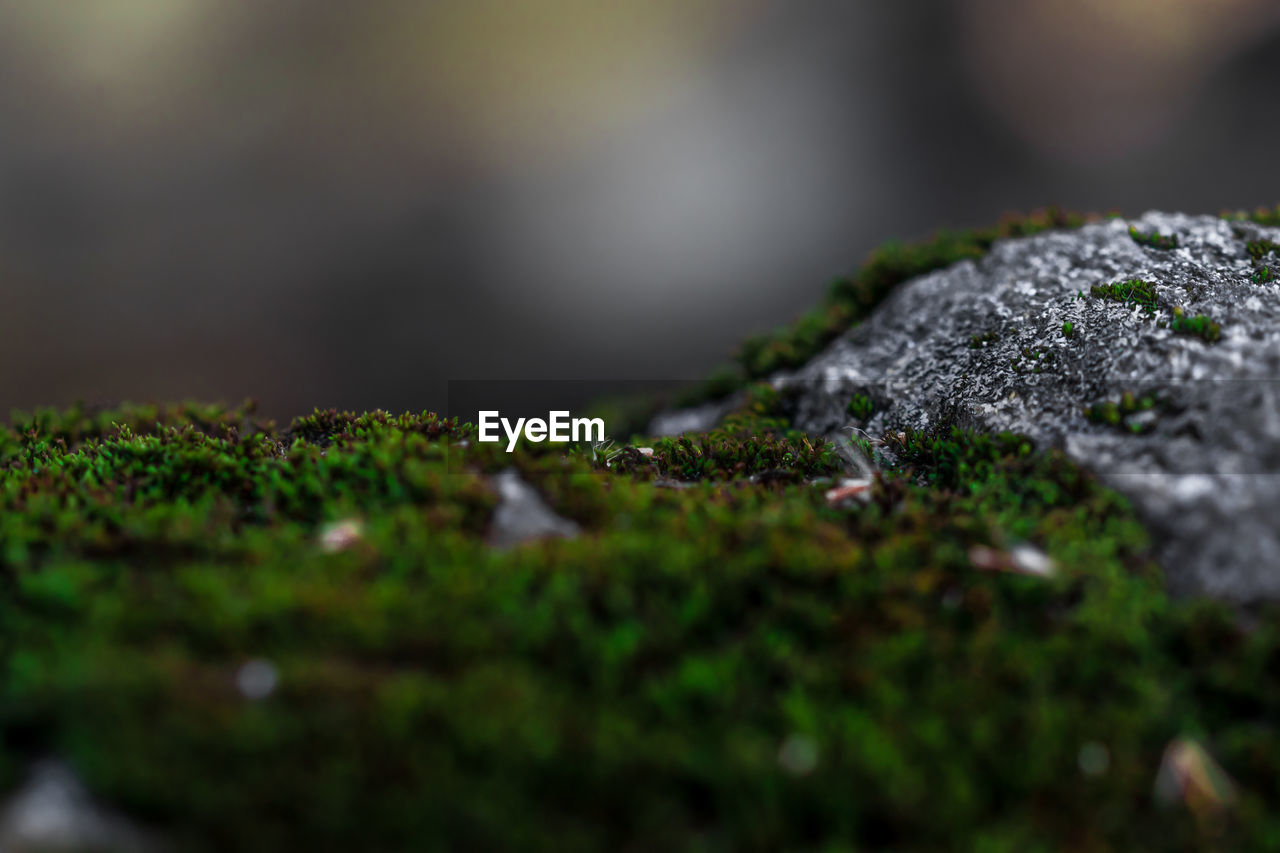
(522, 515)
(982, 345)
(53, 812)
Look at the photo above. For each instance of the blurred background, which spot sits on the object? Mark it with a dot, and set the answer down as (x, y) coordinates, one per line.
(321, 203)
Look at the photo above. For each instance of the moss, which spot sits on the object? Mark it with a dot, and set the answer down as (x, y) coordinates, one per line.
(1200, 326)
(861, 407)
(754, 441)
(1134, 291)
(1153, 240)
(1033, 360)
(850, 299)
(1120, 414)
(1264, 275)
(981, 341)
(1262, 216)
(1259, 249)
(1068, 329)
(656, 681)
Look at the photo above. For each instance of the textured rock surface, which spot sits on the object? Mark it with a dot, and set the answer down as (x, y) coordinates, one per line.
(1202, 464)
(53, 812)
(522, 515)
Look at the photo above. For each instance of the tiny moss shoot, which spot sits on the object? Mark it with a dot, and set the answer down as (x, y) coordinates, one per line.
(1033, 360)
(981, 341)
(861, 407)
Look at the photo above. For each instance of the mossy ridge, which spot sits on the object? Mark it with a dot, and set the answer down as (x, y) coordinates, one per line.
(1268, 216)
(754, 441)
(1199, 326)
(634, 684)
(1154, 240)
(1134, 291)
(849, 300)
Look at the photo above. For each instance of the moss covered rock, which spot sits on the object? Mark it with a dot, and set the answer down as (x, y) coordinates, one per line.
(246, 636)
(1043, 332)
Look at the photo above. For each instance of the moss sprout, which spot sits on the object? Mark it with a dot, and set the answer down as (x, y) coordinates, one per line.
(981, 341)
(861, 407)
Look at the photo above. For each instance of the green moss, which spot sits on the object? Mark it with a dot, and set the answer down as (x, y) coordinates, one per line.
(1134, 291)
(1259, 249)
(981, 341)
(849, 300)
(1033, 360)
(861, 407)
(732, 665)
(1068, 329)
(754, 441)
(1120, 413)
(1200, 326)
(1153, 240)
(1264, 275)
(1263, 216)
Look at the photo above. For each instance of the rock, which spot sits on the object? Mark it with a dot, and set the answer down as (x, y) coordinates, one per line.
(53, 812)
(521, 514)
(985, 345)
(697, 419)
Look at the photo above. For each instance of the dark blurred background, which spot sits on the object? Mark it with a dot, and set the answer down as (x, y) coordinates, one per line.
(324, 203)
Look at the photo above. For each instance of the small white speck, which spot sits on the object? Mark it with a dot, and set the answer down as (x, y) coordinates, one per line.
(257, 679)
(340, 535)
(1031, 560)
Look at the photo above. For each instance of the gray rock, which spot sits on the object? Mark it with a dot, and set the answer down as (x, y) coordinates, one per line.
(1206, 474)
(521, 514)
(53, 812)
(696, 419)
